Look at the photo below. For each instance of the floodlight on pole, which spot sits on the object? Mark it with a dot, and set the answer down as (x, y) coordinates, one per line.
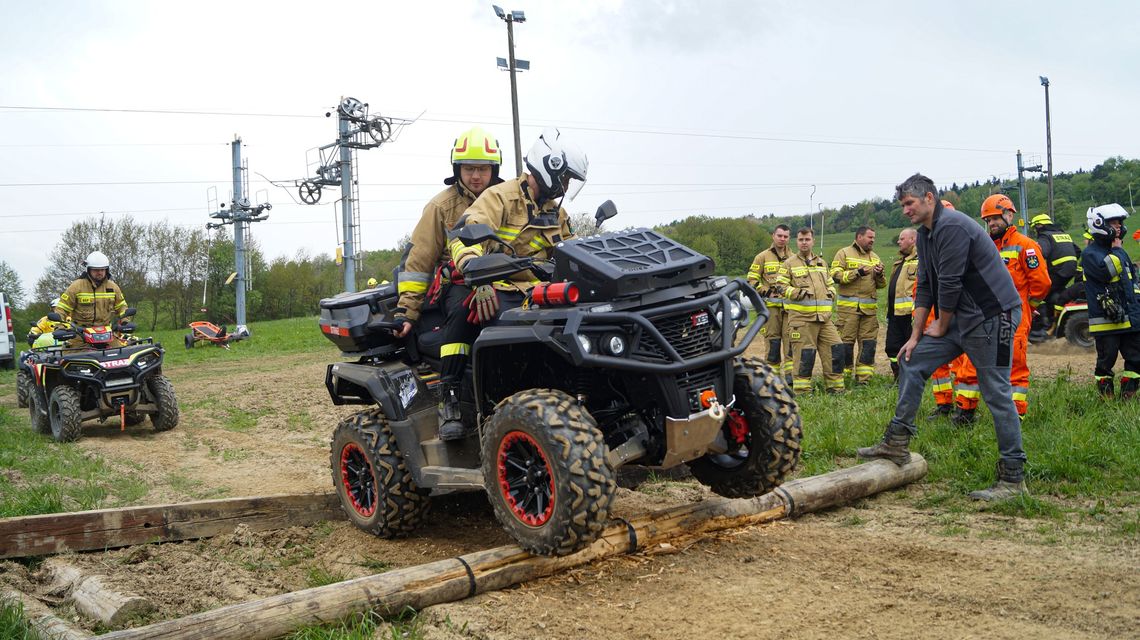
(513, 66)
(1048, 142)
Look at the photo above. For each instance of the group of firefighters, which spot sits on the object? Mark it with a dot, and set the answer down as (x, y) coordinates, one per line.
(802, 292)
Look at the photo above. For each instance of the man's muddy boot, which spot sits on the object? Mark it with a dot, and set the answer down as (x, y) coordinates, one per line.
(940, 411)
(1104, 387)
(450, 418)
(1010, 483)
(963, 417)
(892, 447)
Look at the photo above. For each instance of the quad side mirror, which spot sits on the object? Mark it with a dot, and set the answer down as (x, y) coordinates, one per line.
(606, 211)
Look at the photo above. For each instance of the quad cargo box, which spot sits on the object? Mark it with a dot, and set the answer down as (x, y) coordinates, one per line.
(348, 320)
(626, 263)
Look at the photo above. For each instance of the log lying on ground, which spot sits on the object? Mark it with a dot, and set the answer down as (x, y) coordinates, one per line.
(94, 597)
(110, 528)
(40, 617)
(462, 577)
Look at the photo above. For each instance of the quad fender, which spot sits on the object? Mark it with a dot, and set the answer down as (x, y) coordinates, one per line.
(506, 359)
(393, 385)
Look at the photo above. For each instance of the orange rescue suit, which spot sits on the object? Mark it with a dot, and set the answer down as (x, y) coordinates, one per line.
(1022, 256)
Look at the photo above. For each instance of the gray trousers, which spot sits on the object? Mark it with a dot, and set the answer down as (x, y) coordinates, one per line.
(990, 347)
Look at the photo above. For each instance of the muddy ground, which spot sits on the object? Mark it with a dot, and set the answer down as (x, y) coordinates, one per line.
(885, 567)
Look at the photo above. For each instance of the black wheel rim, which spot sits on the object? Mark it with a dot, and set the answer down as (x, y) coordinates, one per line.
(356, 475)
(526, 481)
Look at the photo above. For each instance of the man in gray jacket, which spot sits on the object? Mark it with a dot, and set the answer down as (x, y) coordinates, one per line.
(963, 281)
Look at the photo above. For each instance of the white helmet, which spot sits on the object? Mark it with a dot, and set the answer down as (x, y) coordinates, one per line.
(1098, 218)
(97, 260)
(558, 165)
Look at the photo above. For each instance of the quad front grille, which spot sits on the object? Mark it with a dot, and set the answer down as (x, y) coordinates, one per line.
(690, 333)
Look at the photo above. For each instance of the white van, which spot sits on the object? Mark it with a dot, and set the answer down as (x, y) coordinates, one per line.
(7, 338)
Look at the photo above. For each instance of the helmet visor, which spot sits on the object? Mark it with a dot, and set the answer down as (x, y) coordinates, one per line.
(572, 184)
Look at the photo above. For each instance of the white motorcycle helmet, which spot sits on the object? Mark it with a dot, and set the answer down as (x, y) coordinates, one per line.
(97, 260)
(1098, 218)
(557, 164)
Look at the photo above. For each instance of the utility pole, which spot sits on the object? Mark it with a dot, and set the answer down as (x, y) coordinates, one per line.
(1023, 198)
(239, 214)
(355, 130)
(1048, 142)
(511, 17)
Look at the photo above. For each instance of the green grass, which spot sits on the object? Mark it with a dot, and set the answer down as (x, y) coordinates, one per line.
(366, 626)
(319, 577)
(13, 626)
(39, 475)
(1079, 447)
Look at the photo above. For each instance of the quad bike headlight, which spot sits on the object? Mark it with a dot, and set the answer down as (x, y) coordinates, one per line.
(614, 344)
(585, 342)
(82, 369)
(148, 360)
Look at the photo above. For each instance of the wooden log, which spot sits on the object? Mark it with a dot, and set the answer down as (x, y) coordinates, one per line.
(94, 597)
(40, 617)
(110, 528)
(457, 578)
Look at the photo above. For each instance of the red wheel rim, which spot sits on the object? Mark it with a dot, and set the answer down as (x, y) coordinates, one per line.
(526, 480)
(356, 476)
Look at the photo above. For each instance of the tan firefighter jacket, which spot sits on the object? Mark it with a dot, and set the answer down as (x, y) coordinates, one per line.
(856, 293)
(906, 266)
(807, 288)
(531, 230)
(763, 272)
(88, 305)
(429, 247)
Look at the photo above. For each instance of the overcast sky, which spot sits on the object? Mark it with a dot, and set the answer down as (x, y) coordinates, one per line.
(719, 108)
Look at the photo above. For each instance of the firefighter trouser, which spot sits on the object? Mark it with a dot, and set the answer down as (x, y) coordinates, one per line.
(990, 346)
(967, 393)
(459, 334)
(779, 351)
(899, 329)
(857, 329)
(1107, 348)
(1047, 310)
(812, 339)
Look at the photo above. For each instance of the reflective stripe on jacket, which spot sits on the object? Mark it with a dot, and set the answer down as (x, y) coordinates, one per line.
(856, 292)
(807, 287)
(763, 272)
(88, 305)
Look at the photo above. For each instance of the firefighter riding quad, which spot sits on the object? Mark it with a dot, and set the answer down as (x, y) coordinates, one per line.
(103, 378)
(627, 354)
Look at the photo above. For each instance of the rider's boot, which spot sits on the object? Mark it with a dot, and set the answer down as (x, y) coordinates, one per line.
(450, 418)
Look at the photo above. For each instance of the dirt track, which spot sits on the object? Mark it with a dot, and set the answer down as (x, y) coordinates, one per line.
(883, 568)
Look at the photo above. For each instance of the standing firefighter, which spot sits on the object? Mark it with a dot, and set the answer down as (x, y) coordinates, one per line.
(93, 299)
(900, 297)
(808, 293)
(527, 213)
(763, 275)
(1114, 305)
(475, 161)
(858, 273)
(1022, 257)
(1062, 256)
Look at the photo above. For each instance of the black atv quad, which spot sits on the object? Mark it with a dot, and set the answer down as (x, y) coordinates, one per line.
(628, 354)
(99, 380)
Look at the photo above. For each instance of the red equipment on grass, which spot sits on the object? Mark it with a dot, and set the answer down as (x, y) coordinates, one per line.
(209, 332)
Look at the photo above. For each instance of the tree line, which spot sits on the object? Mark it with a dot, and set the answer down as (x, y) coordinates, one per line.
(165, 270)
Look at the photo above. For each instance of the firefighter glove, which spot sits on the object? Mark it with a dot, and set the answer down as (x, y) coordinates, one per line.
(483, 302)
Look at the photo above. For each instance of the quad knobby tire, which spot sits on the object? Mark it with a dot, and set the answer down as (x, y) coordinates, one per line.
(372, 481)
(1077, 330)
(37, 411)
(771, 447)
(64, 414)
(545, 471)
(23, 388)
(162, 392)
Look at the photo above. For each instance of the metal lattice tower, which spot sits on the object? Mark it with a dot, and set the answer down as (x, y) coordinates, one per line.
(355, 130)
